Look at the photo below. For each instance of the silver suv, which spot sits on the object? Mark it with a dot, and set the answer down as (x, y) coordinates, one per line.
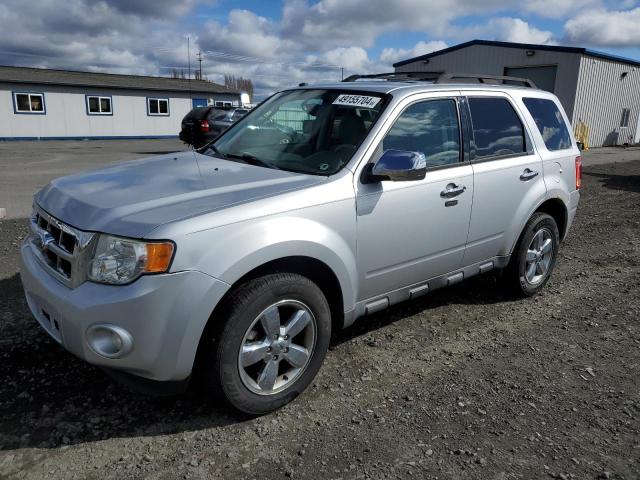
(326, 203)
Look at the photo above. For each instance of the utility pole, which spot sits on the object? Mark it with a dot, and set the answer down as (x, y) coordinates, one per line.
(200, 62)
(342, 73)
(189, 63)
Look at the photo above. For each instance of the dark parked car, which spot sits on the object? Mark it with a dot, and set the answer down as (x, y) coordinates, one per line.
(203, 124)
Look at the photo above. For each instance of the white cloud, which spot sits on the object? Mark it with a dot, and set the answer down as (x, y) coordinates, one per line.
(558, 8)
(605, 28)
(507, 29)
(389, 56)
(245, 34)
(517, 30)
(351, 58)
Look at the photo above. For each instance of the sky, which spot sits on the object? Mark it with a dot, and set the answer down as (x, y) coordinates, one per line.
(282, 43)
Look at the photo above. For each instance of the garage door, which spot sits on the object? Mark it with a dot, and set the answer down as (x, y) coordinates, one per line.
(543, 77)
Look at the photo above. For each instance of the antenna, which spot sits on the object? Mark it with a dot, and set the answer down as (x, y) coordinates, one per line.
(200, 68)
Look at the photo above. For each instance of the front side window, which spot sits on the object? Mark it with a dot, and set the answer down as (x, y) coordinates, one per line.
(430, 127)
(308, 131)
(98, 105)
(29, 102)
(158, 106)
(497, 129)
(549, 122)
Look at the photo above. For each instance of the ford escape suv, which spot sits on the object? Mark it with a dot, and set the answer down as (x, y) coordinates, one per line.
(234, 263)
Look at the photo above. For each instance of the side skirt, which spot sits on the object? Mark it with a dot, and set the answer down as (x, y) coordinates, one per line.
(380, 302)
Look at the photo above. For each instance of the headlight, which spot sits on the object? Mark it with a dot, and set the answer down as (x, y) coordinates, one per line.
(120, 260)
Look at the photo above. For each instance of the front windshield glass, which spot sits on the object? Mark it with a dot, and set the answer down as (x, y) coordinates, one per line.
(307, 131)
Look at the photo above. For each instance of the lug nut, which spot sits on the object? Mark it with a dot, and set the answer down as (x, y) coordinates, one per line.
(268, 349)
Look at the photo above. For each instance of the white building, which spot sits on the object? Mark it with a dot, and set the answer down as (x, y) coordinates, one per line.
(596, 89)
(55, 104)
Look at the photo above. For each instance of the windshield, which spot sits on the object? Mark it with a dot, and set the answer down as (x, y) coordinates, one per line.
(307, 131)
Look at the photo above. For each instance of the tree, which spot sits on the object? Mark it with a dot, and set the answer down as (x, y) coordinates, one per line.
(175, 73)
(240, 84)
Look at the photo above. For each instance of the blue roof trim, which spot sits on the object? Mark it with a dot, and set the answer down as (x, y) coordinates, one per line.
(528, 46)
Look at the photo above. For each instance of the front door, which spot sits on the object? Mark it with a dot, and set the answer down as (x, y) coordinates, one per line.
(411, 231)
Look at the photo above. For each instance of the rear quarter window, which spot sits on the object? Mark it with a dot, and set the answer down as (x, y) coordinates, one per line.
(550, 123)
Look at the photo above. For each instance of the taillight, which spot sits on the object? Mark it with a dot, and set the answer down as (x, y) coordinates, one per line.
(204, 126)
(578, 172)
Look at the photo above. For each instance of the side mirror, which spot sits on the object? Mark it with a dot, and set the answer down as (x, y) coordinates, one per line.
(398, 166)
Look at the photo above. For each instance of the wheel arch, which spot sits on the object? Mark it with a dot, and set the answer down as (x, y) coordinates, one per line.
(558, 211)
(315, 270)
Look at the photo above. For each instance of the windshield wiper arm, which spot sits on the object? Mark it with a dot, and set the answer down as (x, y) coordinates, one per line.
(217, 151)
(252, 160)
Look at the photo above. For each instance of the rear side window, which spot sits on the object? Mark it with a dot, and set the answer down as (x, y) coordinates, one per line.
(497, 129)
(549, 122)
(430, 127)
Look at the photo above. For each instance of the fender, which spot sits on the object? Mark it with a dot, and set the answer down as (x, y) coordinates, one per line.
(562, 196)
(240, 248)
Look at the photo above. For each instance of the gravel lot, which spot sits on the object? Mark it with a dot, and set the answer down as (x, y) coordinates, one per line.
(464, 384)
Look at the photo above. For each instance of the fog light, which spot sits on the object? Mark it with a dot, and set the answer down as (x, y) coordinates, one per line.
(109, 341)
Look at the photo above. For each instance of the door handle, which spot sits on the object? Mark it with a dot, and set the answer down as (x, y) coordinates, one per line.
(452, 190)
(528, 174)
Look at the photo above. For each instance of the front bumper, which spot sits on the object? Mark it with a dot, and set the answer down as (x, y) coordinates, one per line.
(165, 314)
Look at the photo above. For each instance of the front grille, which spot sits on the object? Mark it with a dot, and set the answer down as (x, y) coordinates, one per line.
(61, 248)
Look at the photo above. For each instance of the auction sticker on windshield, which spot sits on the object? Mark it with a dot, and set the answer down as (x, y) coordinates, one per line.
(357, 101)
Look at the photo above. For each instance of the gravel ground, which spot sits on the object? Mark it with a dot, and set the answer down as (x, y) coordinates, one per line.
(464, 384)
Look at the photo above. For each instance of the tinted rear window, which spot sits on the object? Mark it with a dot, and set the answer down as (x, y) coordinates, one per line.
(197, 113)
(550, 123)
(497, 129)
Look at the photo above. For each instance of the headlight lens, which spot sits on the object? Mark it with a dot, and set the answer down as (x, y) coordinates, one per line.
(120, 260)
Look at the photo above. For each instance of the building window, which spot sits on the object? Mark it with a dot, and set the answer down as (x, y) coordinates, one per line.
(624, 121)
(158, 107)
(98, 105)
(29, 103)
(218, 104)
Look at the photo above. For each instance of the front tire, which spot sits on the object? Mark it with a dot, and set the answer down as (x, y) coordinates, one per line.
(272, 343)
(534, 257)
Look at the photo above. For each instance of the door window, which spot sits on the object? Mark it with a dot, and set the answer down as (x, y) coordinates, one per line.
(549, 122)
(430, 127)
(497, 129)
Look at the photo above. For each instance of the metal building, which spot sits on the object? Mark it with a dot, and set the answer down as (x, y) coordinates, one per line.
(57, 104)
(597, 90)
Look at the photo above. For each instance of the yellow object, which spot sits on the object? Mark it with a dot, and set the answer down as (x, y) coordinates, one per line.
(582, 134)
(158, 256)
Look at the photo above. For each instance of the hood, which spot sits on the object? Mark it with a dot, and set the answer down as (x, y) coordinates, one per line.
(133, 198)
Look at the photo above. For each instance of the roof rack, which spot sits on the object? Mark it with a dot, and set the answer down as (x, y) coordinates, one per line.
(441, 77)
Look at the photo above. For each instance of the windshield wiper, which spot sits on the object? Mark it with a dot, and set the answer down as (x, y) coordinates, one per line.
(252, 160)
(217, 151)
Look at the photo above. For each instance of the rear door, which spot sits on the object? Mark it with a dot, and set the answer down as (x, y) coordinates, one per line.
(507, 175)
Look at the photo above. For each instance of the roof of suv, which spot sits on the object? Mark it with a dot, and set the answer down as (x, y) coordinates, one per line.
(384, 86)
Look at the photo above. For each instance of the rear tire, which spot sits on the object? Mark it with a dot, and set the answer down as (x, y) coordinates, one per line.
(534, 256)
(271, 342)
